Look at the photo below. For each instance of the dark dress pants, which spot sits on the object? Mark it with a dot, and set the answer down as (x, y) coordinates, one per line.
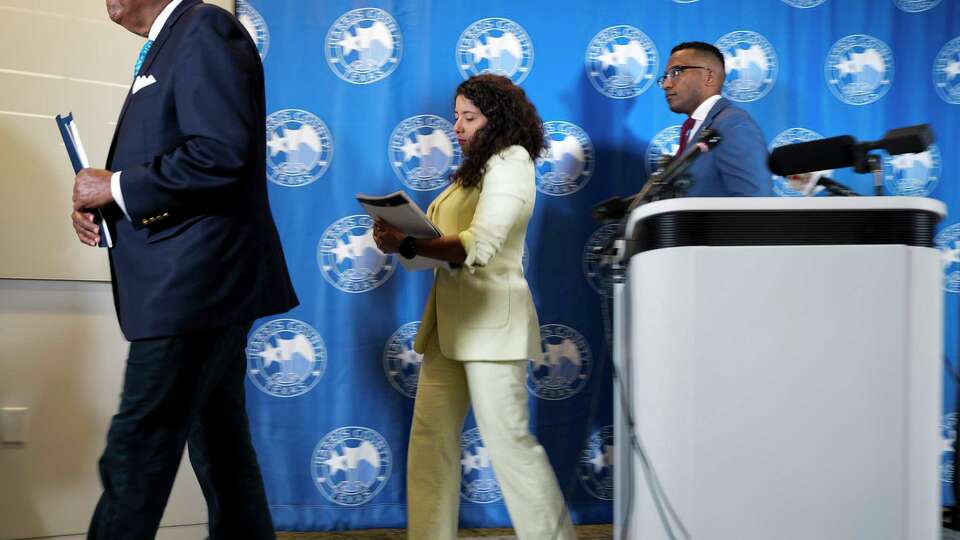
(182, 390)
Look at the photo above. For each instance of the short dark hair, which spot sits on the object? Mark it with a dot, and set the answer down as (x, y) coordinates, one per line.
(702, 47)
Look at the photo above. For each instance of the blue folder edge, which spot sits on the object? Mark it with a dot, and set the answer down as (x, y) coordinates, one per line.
(63, 124)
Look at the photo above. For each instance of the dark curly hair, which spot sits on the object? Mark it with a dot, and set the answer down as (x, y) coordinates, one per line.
(511, 119)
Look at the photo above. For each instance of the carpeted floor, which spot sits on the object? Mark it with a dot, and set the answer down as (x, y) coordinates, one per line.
(584, 532)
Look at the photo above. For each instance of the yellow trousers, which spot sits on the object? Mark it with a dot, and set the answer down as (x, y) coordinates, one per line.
(498, 393)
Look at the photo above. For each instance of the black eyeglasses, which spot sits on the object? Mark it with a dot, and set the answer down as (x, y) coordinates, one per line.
(675, 72)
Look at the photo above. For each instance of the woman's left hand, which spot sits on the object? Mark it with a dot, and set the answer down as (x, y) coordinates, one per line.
(387, 236)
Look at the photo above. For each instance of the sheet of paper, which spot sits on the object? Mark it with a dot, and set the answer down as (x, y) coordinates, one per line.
(400, 211)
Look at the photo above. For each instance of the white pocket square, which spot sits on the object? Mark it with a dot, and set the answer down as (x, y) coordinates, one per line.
(142, 82)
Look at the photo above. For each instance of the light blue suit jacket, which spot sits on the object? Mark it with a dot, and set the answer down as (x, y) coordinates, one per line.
(737, 166)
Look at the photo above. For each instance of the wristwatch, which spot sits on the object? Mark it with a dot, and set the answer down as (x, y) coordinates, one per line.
(408, 248)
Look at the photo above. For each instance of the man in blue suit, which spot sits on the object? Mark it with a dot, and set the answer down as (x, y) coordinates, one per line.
(196, 259)
(737, 166)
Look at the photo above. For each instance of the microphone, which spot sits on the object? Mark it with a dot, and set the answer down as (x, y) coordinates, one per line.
(836, 188)
(819, 155)
(617, 207)
(612, 208)
(845, 151)
(905, 140)
(707, 140)
(806, 184)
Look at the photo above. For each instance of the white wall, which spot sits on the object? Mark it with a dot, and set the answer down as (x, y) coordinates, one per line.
(62, 356)
(56, 56)
(61, 352)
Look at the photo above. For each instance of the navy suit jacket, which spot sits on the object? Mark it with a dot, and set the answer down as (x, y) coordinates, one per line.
(200, 249)
(737, 166)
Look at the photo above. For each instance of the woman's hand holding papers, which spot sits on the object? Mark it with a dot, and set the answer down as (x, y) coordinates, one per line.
(445, 248)
(387, 236)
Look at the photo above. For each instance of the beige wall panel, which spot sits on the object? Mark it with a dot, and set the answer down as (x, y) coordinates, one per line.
(93, 9)
(56, 56)
(63, 358)
(63, 355)
(46, 42)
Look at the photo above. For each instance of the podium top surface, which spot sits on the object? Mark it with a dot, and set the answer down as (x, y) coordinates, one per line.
(783, 204)
(732, 221)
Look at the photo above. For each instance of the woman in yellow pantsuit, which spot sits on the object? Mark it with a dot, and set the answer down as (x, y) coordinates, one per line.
(480, 327)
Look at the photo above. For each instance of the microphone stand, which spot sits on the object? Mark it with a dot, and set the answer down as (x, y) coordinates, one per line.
(665, 178)
(877, 167)
(671, 176)
(865, 162)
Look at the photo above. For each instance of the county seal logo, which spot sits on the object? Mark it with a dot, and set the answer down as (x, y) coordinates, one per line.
(567, 165)
(912, 174)
(400, 362)
(253, 22)
(791, 136)
(803, 4)
(299, 147)
(751, 65)
(621, 62)
(364, 46)
(596, 464)
(665, 144)
(495, 45)
(349, 258)
(948, 242)
(565, 366)
(596, 268)
(285, 357)
(350, 465)
(946, 72)
(423, 150)
(478, 483)
(948, 438)
(916, 6)
(859, 69)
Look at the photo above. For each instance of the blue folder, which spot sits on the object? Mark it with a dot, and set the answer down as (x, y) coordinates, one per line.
(67, 130)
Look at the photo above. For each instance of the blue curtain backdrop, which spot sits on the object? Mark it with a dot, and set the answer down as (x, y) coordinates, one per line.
(359, 98)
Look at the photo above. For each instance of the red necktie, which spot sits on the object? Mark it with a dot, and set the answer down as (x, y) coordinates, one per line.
(685, 132)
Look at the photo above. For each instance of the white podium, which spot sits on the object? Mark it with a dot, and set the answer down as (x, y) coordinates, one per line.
(781, 360)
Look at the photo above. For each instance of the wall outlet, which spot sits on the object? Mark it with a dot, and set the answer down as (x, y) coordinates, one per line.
(13, 426)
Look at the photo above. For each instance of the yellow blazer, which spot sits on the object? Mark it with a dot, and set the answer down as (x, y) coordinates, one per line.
(484, 310)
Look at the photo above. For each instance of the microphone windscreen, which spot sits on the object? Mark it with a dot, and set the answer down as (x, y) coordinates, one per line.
(907, 140)
(819, 155)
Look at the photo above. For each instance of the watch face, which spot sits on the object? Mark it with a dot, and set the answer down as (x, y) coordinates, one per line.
(408, 247)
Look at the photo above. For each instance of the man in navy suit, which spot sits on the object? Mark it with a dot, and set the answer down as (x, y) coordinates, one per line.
(196, 259)
(737, 166)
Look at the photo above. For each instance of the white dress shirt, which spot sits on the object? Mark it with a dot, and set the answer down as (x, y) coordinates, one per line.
(700, 114)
